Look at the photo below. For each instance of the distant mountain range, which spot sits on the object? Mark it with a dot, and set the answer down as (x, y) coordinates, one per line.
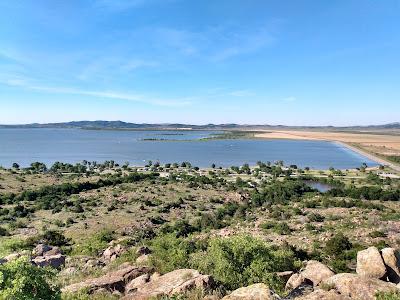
(142, 126)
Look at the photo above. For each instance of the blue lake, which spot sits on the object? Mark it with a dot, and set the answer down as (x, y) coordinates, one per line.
(25, 146)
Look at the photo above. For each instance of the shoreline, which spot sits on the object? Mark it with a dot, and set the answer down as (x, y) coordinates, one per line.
(370, 156)
(329, 138)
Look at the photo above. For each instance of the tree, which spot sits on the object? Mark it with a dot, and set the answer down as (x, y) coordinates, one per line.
(19, 279)
(15, 166)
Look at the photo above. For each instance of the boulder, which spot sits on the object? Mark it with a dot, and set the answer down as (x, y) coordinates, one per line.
(323, 295)
(54, 261)
(294, 281)
(53, 251)
(172, 283)
(41, 249)
(143, 259)
(135, 283)
(113, 281)
(316, 272)
(252, 292)
(143, 250)
(358, 287)
(303, 289)
(313, 273)
(370, 263)
(113, 252)
(391, 259)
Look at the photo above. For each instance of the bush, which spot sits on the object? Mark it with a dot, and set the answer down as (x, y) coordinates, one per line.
(388, 296)
(3, 231)
(242, 260)
(21, 280)
(170, 252)
(337, 244)
(314, 217)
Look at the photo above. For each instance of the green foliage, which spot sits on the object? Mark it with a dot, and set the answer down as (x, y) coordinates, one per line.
(170, 252)
(337, 244)
(387, 296)
(20, 280)
(243, 260)
(95, 244)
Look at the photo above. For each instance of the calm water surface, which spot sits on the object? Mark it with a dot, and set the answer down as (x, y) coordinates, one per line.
(74, 145)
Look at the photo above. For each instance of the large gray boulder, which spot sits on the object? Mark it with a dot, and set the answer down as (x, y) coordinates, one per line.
(358, 287)
(113, 281)
(391, 259)
(253, 292)
(370, 263)
(55, 261)
(172, 283)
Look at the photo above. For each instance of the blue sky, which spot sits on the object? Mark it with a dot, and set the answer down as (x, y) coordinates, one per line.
(293, 62)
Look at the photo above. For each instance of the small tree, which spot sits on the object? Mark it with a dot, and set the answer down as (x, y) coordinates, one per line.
(20, 279)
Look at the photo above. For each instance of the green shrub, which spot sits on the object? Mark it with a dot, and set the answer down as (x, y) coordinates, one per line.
(388, 296)
(377, 233)
(170, 252)
(21, 280)
(337, 244)
(314, 217)
(243, 260)
(3, 231)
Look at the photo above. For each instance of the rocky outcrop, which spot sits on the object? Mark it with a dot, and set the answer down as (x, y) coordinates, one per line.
(253, 292)
(314, 273)
(113, 252)
(113, 281)
(391, 259)
(47, 256)
(175, 282)
(358, 287)
(370, 263)
(137, 282)
(55, 261)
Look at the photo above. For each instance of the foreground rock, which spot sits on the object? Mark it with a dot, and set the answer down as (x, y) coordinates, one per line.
(253, 292)
(175, 282)
(358, 287)
(392, 262)
(370, 263)
(113, 281)
(324, 295)
(313, 273)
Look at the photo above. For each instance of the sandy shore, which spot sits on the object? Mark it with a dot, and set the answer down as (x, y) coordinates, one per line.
(366, 144)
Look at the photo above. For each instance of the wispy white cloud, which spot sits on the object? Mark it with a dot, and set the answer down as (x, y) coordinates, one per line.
(242, 93)
(133, 97)
(289, 99)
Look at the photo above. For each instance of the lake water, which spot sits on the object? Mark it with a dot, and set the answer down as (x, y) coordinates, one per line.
(74, 145)
(322, 187)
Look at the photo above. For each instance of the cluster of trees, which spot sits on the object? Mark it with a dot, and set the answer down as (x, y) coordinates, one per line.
(366, 193)
(280, 192)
